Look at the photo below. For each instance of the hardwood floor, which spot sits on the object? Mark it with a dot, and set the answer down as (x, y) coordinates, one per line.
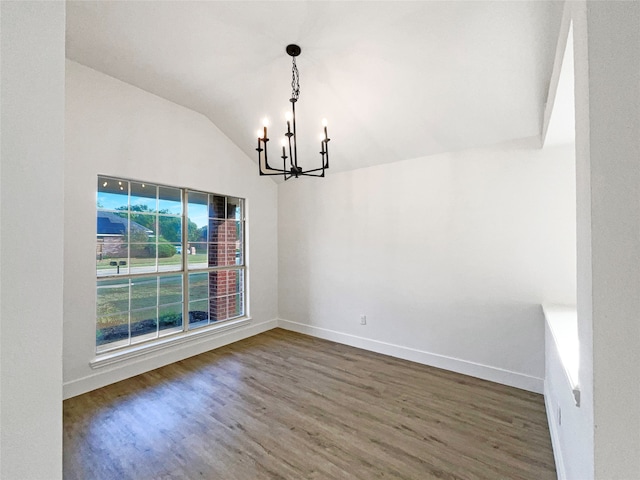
(287, 406)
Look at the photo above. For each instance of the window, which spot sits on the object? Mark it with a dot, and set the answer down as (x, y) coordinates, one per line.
(168, 260)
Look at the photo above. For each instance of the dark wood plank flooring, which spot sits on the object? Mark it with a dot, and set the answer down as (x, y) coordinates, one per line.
(287, 406)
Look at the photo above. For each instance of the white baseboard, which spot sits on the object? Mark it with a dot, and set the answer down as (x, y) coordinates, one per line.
(138, 365)
(485, 372)
(155, 359)
(555, 439)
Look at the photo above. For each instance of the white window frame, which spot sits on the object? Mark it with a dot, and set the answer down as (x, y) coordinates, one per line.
(136, 345)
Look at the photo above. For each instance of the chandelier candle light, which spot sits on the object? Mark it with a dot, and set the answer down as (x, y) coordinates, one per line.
(290, 141)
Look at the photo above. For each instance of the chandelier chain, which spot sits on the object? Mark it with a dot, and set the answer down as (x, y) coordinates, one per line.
(295, 81)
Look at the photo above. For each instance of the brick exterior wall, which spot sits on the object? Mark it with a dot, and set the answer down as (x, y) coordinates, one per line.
(222, 252)
(111, 247)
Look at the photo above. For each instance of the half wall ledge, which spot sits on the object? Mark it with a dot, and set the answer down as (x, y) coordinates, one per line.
(563, 324)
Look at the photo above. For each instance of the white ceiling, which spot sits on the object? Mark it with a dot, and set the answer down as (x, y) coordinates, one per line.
(395, 79)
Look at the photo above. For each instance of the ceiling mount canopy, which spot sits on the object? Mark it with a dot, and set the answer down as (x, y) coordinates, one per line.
(293, 50)
(289, 142)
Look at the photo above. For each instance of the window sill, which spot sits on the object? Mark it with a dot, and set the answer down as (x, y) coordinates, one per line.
(563, 324)
(110, 358)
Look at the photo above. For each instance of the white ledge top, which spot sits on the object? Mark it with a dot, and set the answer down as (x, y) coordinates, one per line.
(563, 323)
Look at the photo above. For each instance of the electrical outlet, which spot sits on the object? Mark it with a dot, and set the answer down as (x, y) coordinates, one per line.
(363, 319)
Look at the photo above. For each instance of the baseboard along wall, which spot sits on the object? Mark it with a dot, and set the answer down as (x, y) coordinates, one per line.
(135, 366)
(485, 372)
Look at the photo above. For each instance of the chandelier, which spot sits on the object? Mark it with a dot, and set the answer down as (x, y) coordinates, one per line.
(289, 144)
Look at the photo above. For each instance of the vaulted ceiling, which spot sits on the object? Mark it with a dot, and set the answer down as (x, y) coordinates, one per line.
(395, 79)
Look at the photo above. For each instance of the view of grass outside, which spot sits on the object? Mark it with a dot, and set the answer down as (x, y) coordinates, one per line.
(154, 303)
(143, 255)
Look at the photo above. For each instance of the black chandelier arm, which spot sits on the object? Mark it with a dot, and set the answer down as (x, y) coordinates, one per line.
(304, 174)
(307, 174)
(267, 170)
(312, 170)
(277, 170)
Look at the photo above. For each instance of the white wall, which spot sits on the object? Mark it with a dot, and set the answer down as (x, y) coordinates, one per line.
(583, 433)
(31, 239)
(607, 46)
(116, 129)
(600, 439)
(449, 256)
(570, 435)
